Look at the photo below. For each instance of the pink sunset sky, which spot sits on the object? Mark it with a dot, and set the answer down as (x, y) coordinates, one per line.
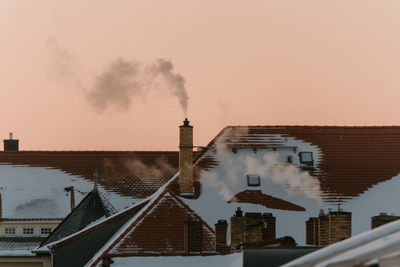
(304, 62)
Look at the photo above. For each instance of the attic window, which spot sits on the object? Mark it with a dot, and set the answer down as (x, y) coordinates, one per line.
(306, 158)
(253, 180)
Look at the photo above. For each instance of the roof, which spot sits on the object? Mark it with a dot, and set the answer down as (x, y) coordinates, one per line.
(163, 220)
(90, 209)
(256, 197)
(354, 166)
(353, 159)
(136, 174)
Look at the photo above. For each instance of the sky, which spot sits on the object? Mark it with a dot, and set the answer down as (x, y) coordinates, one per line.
(86, 75)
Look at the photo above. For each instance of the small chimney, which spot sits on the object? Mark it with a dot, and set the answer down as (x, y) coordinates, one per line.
(72, 196)
(220, 236)
(11, 144)
(193, 236)
(186, 159)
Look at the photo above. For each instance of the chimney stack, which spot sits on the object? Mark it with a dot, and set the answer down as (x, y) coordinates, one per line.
(11, 144)
(186, 159)
(220, 236)
(72, 196)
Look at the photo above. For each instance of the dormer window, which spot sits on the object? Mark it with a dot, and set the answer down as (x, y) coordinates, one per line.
(306, 158)
(253, 180)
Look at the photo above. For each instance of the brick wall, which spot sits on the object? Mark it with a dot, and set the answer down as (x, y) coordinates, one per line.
(339, 226)
(193, 236)
(382, 219)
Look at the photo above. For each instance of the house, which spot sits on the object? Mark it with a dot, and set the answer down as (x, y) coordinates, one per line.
(280, 174)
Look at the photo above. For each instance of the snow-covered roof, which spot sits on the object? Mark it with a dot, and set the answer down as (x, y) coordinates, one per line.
(354, 166)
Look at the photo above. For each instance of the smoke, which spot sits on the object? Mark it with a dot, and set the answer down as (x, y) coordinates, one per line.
(267, 165)
(117, 85)
(121, 83)
(126, 80)
(144, 172)
(63, 65)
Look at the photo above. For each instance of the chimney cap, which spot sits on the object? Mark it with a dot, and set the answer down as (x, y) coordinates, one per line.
(186, 123)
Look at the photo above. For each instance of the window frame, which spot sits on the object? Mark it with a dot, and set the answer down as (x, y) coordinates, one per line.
(250, 176)
(303, 161)
(26, 231)
(45, 228)
(14, 232)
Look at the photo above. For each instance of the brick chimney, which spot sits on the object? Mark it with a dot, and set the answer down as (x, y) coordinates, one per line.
(323, 229)
(193, 236)
(220, 236)
(186, 159)
(11, 144)
(339, 225)
(382, 218)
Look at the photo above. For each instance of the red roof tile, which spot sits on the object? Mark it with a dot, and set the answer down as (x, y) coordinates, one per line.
(256, 197)
(134, 174)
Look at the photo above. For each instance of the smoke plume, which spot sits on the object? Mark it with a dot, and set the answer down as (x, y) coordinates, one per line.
(63, 65)
(125, 81)
(121, 83)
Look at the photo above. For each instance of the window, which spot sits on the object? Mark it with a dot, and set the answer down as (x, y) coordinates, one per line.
(9, 231)
(27, 231)
(253, 180)
(45, 231)
(306, 158)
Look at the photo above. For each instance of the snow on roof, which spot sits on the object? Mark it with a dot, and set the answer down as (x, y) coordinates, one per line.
(136, 174)
(232, 260)
(346, 245)
(37, 192)
(355, 166)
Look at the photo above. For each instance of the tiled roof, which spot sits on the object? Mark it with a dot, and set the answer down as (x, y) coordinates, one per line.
(69, 252)
(133, 174)
(353, 158)
(160, 231)
(256, 197)
(90, 209)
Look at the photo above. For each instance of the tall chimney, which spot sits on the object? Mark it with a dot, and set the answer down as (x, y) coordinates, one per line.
(11, 144)
(186, 159)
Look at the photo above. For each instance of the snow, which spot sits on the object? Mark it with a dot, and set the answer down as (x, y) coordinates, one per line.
(222, 182)
(37, 192)
(14, 253)
(278, 180)
(232, 260)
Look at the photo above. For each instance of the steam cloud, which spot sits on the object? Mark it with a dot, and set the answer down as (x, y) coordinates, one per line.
(124, 81)
(294, 180)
